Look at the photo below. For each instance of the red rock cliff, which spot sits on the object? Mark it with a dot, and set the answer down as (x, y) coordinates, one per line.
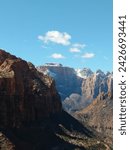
(25, 94)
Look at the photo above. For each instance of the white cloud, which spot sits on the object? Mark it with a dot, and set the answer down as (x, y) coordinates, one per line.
(75, 50)
(78, 45)
(62, 38)
(88, 55)
(57, 56)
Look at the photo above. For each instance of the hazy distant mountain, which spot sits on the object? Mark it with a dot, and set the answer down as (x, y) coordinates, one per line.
(78, 87)
(84, 73)
(97, 83)
(67, 81)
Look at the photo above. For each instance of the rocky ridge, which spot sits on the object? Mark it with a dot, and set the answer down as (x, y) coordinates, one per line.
(78, 87)
(97, 83)
(99, 116)
(25, 94)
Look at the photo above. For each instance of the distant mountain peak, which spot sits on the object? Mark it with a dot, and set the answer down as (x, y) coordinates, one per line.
(99, 71)
(69, 80)
(84, 73)
(53, 64)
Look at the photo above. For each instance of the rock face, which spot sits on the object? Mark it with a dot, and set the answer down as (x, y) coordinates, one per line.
(31, 115)
(73, 103)
(25, 94)
(92, 86)
(97, 83)
(84, 73)
(67, 81)
(99, 116)
(79, 87)
(92, 105)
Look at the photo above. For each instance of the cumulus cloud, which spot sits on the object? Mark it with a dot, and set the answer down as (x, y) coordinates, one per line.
(88, 55)
(75, 50)
(57, 56)
(57, 37)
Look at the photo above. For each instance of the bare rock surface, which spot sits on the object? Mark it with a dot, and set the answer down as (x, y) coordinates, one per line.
(25, 94)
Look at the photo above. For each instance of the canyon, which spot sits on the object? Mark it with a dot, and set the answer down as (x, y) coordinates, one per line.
(78, 87)
(39, 107)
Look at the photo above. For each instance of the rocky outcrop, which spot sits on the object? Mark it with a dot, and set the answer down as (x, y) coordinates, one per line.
(25, 94)
(84, 73)
(92, 87)
(99, 116)
(79, 87)
(95, 84)
(67, 81)
(74, 102)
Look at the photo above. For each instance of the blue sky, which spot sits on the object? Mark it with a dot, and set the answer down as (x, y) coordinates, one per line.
(76, 33)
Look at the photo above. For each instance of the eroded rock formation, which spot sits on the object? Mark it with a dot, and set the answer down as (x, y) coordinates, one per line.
(25, 94)
(67, 81)
(97, 83)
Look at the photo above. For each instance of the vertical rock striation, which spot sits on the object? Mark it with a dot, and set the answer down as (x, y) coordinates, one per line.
(25, 94)
(97, 83)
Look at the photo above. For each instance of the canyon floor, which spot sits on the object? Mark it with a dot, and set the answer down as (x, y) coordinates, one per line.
(60, 132)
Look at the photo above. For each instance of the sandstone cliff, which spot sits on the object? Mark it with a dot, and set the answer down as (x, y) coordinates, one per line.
(78, 87)
(92, 86)
(67, 81)
(25, 94)
(97, 83)
(99, 116)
